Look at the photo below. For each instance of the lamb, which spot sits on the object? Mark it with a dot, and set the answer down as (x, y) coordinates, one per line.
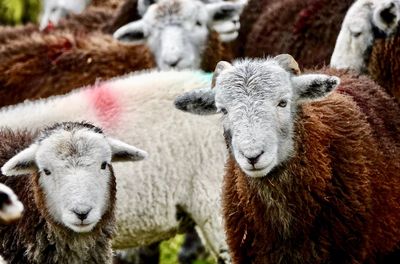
(365, 43)
(10, 207)
(57, 63)
(156, 197)
(295, 27)
(313, 173)
(190, 41)
(64, 177)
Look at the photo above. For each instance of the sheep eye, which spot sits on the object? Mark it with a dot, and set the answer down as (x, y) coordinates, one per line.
(198, 23)
(223, 111)
(282, 103)
(103, 165)
(356, 34)
(46, 171)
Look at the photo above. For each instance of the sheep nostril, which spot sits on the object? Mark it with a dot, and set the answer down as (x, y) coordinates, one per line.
(174, 63)
(82, 215)
(254, 160)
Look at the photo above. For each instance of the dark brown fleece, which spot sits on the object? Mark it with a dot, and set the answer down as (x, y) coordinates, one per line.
(307, 29)
(93, 19)
(125, 13)
(36, 238)
(384, 64)
(45, 65)
(249, 16)
(338, 199)
(214, 52)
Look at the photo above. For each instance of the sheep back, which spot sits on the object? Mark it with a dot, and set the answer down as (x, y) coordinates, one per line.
(384, 65)
(295, 27)
(45, 65)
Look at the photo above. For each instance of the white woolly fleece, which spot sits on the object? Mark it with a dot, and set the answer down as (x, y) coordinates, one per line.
(186, 152)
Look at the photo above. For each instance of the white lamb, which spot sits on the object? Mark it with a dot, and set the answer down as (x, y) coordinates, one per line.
(152, 195)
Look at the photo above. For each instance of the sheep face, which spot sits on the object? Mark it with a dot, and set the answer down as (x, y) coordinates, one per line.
(176, 31)
(75, 177)
(55, 10)
(10, 207)
(258, 100)
(365, 21)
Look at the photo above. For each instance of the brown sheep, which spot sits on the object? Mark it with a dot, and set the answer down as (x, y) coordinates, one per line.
(69, 202)
(307, 29)
(46, 65)
(313, 176)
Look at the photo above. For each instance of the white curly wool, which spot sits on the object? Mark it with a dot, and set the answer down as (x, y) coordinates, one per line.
(186, 152)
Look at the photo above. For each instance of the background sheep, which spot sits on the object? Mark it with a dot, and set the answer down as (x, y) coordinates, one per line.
(10, 207)
(311, 181)
(45, 65)
(154, 197)
(367, 27)
(64, 178)
(295, 27)
(190, 42)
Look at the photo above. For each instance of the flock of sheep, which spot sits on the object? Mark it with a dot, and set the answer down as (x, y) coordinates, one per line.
(285, 166)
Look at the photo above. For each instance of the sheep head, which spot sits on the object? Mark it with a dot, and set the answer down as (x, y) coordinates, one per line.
(365, 21)
(10, 207)
(258, 100)
(71, 165)
(176, 31)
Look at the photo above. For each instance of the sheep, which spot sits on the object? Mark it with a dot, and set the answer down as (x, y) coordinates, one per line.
(190, 41)
(64, 177)
(57, 63)
(295, 26)
(365, 43)
(10, 207)
(313, 173)
(154, 197)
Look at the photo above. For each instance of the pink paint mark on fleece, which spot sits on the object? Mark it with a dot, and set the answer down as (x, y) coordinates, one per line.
(105, 104)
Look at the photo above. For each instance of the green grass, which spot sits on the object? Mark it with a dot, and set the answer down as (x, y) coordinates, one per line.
(13, 12)
(170, 249)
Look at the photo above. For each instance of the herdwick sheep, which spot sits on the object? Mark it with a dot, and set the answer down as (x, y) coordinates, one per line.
(65, 179)
(313, 174)
(179, 32)
(10, 207)
(59, 62)
(296, 26)
(365, 24)
(157, 196)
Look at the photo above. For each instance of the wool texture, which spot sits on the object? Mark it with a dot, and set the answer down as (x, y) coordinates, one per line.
(337, 200)
(46, 65)
(296, 27)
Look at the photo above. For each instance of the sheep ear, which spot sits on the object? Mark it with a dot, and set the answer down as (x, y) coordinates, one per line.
(287, 62)
(143, 5)
(21, 164)
(125, 152)
(131, 32)
(199, 102)
(314, 86)
(224, 11)
(386, 16)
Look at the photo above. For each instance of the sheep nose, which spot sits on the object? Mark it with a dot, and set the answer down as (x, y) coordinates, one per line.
(173, 63)
(82, 215)
(4, 200)
(253, 160)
